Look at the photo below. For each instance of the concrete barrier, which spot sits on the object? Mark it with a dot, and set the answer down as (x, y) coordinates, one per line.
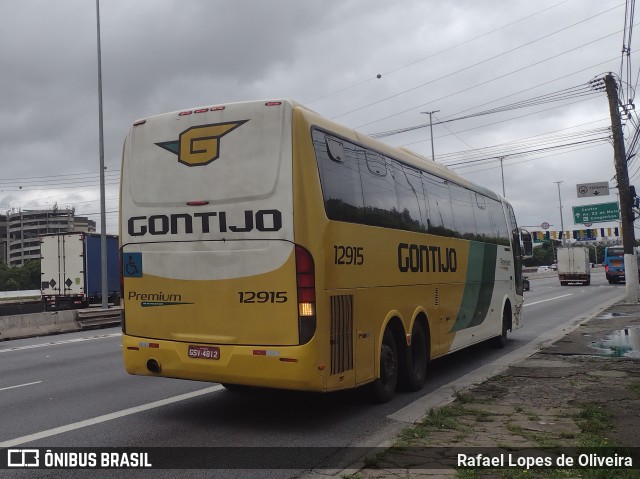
(37, 324)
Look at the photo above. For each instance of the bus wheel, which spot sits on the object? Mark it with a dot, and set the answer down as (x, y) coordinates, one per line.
(385, 386)
(415, 372)
(500, 342)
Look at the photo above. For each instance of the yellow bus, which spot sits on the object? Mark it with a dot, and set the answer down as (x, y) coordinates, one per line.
(264, 245)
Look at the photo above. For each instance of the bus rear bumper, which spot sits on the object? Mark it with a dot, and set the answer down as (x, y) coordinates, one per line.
(282, 367)
(615, 275)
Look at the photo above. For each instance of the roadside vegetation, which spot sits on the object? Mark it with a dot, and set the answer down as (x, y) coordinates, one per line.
(21, 278)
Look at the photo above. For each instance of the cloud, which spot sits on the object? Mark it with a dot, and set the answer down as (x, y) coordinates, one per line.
(166, 55)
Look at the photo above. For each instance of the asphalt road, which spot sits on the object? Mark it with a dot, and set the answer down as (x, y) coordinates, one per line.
(72, 391)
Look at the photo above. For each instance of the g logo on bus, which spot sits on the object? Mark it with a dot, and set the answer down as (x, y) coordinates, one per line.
(200, 145)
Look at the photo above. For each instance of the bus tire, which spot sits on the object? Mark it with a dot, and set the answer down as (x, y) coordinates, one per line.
(413, 376)
(384, 387)
(500, 342)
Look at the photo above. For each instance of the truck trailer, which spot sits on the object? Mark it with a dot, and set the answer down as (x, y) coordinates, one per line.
(574, 266)
(71, 270)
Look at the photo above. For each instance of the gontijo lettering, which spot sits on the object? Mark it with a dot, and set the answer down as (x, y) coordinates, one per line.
(420, 258)
(205, 222)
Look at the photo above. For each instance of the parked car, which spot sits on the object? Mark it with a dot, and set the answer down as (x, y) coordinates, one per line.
(544, 269)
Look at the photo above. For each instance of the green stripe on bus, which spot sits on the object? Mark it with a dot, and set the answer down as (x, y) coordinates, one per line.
(478, 291)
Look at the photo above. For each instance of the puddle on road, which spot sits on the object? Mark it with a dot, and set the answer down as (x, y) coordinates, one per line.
(622, 343)
(612, 314)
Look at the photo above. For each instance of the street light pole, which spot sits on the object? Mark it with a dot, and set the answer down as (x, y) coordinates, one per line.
(561, 220)
(103, 216)
(502, 171)
(430, 113)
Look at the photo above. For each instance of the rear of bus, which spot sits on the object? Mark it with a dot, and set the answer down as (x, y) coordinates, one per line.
(214, 287)
(614, 264)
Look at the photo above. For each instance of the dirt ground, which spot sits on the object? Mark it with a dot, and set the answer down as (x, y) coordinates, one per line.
(582, 391)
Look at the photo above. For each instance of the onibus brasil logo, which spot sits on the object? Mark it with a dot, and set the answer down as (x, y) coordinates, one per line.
(200, 145)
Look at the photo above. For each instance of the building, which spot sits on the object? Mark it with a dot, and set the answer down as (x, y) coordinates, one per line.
(3, 238)
(23, 228)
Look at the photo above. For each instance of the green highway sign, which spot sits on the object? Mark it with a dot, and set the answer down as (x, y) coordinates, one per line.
(596, 213)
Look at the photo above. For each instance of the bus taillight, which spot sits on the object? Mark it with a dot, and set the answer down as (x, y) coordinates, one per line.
(306, 288)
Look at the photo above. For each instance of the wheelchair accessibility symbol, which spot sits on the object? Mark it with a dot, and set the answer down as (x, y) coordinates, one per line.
(132, 265)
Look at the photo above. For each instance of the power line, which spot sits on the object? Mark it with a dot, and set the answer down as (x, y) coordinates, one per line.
(565, 94)
(503, 121)
(517, 154)
(509, 148)
(506, 52)
(28, 178)
(513, 163)
(53, 187)
(522, 91)
(518, 70)
(389, 72)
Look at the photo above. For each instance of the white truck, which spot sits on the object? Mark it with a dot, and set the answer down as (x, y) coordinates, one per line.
(71, 270)
(574, 266)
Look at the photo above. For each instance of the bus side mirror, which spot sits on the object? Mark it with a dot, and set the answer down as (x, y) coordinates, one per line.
(527, 243)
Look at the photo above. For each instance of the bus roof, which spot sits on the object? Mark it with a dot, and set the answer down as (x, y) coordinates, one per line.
(401, 154)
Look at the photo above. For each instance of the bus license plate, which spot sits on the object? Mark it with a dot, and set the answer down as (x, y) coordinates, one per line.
(204, 352)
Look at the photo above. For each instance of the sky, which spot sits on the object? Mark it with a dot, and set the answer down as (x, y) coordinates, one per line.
(375, 66)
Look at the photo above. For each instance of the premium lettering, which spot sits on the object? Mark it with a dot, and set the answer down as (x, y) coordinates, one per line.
(160, 296)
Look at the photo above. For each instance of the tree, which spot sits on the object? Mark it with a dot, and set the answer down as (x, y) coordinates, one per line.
(21, 277)
(11, 285)
(542, 255)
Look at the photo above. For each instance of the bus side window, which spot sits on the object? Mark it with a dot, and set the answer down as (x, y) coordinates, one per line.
(379, 191)
(440, 220)
(463, 216)
(339, 177)
(411, 203)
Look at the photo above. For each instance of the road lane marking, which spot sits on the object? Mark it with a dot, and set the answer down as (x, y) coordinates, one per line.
(107, 417)
(62, 341)
(550, 299)
(20, 385)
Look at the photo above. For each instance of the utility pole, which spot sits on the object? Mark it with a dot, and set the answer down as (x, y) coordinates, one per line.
(430, 113)
(622, 176)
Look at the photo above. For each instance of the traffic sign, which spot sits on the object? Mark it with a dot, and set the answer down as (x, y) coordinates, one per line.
(593, 189)
(596, 213)
(545, 226)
